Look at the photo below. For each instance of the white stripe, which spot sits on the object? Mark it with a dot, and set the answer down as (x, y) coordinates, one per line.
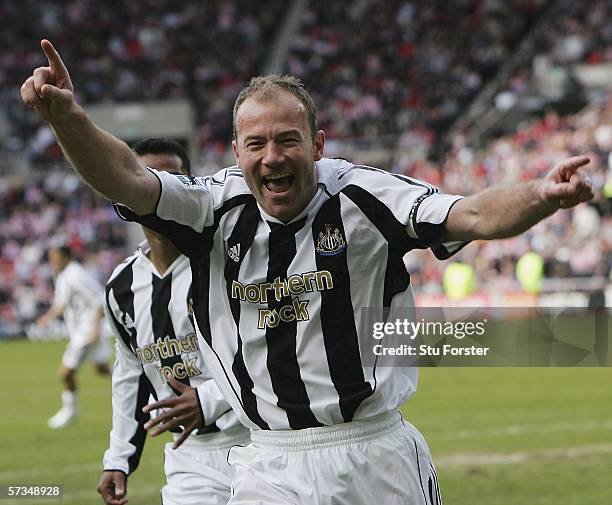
(310, 346)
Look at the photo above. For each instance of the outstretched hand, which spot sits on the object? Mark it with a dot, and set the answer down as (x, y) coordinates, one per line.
(567, 184)
(183, 410)
(49, 89)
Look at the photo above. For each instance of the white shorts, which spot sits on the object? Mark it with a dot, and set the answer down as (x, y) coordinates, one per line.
(383, 460)
(77, 351)
(197, 473)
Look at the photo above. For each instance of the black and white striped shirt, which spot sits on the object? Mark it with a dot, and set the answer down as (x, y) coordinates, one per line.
(276, 304)
(150, 314)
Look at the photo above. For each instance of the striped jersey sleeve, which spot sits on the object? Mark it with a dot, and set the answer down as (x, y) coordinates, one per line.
(184, 209)
(131, 391)
(417, 205)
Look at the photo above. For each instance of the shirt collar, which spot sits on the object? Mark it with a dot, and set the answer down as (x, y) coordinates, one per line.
(178, 264)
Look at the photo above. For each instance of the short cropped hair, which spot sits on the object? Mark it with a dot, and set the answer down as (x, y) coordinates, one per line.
(64, 250)
(160, 145)
(266, 87)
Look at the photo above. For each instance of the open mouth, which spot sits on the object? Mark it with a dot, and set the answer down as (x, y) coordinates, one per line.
(278, 183)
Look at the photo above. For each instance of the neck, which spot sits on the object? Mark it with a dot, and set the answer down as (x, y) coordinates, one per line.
(163, 252)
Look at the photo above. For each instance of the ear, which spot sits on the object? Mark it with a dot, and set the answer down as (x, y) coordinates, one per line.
(319, 144)
(235, 149)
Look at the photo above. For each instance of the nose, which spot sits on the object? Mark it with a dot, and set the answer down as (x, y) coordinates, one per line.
(273, 155)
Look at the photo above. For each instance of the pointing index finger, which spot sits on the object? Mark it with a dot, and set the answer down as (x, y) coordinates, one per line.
(55, 60)
(569, 166)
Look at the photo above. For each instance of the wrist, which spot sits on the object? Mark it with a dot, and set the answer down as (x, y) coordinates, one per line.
(546, 203)
(72, 117)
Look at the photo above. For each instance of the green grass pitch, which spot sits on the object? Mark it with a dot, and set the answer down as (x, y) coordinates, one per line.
(499, 436)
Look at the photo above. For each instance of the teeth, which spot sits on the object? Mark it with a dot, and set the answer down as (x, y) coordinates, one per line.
(274, 177)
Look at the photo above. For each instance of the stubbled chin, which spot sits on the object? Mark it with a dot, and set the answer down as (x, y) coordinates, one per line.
(281, 207)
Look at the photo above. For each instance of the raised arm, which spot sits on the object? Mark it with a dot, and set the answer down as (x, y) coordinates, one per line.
(106, 163)
(510, 210)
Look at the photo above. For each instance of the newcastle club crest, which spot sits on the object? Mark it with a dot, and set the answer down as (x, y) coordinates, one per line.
(330, 242)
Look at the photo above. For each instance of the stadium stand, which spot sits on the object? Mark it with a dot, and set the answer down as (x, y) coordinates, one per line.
(578, 32)
(573, 244)
(384, 68)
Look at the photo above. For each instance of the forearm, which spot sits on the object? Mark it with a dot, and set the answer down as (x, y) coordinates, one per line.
(53, 313)
(97, 325)
(499, 212)
(106, 163)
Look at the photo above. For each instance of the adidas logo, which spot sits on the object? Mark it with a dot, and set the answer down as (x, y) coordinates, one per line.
(234, 253)
(128, 322)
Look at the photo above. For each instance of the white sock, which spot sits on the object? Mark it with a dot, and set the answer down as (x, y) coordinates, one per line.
(69, 399)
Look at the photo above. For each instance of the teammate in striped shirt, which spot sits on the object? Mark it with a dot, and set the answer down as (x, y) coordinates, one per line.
(287, 248)
(78, 297)
(148, 299)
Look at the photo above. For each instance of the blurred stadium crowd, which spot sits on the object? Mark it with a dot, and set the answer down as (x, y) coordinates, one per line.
(33, 214)
(576, 243)
(391, 74)
(392, 67)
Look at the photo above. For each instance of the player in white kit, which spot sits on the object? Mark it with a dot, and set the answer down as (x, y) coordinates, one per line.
(148, 302)
(78, 297)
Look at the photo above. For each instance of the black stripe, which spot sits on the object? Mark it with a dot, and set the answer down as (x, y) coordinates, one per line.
(161, 322)
(414, 182)
(162, 327)
(337, 316)
(397, 278)
(403, 178)
(416, 451)
(430, 489)
(242, 236)
(139, 437)
(282, 360)
(438, 495)
(200, 271)
(200, 266)
(119, 328)
(121, 286)
(430, 234)
(363, 167)
(209, 428)
(189, 305)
